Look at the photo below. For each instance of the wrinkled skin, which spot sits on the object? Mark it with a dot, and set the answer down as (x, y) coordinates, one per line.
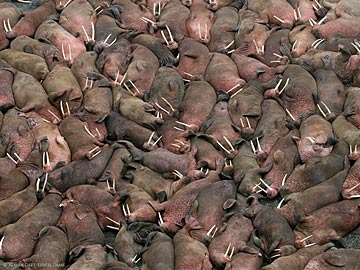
(174, 138)
(157, 46)
(120, 128)
(268, 9)
(229, 80)
(30, 45)
(221, 195)
(316, 170)
(299, 259)
(51, 31)
(271, 127)
(79, 141)
(152, 182)
(305, 11)
(247, 170)
(158, 253)
(303, 203)
(200, 21)
(30, 95)
(193, 59)
(272, 230)
(245, 261)
(30, 20)
(91, 256)
(16, 134)
(323, 228)
(142, 69)
(177, 207)
(11, 11)
(98, 110)
(190, 254)
(346, 131)
(283, 157)
(334, 259)
(168, 85)
(229, 233)
(7, 76)
(352, 106)
(317, 138)
(223, 30)
(19, 243)
(81, 225)
(51, 246)
(32, 64)
(298, 95)
(78, 14)
(81, 171)
(58, 150)
(192, 112)
(351, 181)
(101, 202)
(61, 84)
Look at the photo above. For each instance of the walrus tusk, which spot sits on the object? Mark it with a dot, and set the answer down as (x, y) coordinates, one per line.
(168, 103)
(280, 20)
(113, 221)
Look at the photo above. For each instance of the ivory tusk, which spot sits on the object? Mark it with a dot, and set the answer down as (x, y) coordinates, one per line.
(265, 184)
(229, 143)
(310, 245)
(307, 237)
(232, 88)
(13, 160)
(112, 227)
(237, 92)
(151, 136)
(280, 203)
(88, 131)
(286, 84)
(321, 111)
(291, 116)
(86, 34)
(157, 140)
(45, 182)
(168, 103)
(226, 150)
(283, 180)
(351, 189)
(280, 20)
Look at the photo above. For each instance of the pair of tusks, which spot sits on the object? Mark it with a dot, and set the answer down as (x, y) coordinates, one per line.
(228, 46)
(113, 184)
(111, 43)
(64, 54)
(90, 133)
(92, 33)
(147, 20)
(88, 85)
(151, 137)
(356, 45)
(318, 5)
(54, 115)
(228, 164)
(279, 58)
(157, 9)
(7, 26)
(326, 107)
(115, 222)
(232, 88)
(38, 183)
(232, 149)
(355, 149)
(96, 153)
(200, 34)
(284, 87)
(62, 108)
(213, 230)
(253, 146)
(307, 237)
(170, 35)
(12, 159)
(126, 210)
(297, 14)
(317, 42)
(313, 22)
(167, 103)
(258, 185)
(259, 50)
(242, 123)
(178, 174)
(181, 143)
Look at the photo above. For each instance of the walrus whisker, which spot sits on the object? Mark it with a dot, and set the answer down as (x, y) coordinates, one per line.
(223, 147)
